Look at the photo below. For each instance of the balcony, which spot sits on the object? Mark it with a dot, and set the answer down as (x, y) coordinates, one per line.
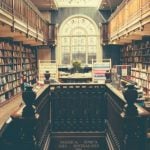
(21, 20)
(130, 21)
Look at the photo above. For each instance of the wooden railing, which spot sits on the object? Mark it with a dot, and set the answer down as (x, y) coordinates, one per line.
(129, 16)
(124, 132)
(42, 133)
(29, 132)
(78, 108)
(25, 11)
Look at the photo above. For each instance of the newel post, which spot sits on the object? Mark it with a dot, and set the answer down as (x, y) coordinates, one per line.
(134, 124)
(29, 119)
(18, 133)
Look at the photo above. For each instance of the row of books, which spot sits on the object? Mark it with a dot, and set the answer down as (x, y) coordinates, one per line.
(9, 78)
(9, 94)
(5, 45)
(138, 45)
(6, 69)
(141, 82)
(8, 86)
(15, 67)
(142, 53)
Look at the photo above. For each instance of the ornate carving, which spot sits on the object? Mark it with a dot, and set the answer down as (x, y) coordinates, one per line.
(29, 118)
(47, 76)
(130, 94)
(29, 97)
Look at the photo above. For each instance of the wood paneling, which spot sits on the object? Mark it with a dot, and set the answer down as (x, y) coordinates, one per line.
(44, 54)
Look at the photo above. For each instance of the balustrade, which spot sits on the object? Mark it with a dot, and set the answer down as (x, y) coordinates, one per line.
(27, 13)
(92, 109)
(129, 16)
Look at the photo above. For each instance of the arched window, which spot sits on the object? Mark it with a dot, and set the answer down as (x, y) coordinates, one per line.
(78, 40)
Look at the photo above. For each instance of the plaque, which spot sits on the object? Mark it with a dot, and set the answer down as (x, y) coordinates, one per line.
(78, 143)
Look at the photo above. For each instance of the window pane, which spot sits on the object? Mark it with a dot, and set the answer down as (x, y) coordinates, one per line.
(79, 54)
(66, 59)
(65, 55)
(90, 57)
(92, 40)
(92, 49)
(65, 41)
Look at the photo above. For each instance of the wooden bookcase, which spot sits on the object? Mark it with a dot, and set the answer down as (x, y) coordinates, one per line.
(137, 54)
(16, 61)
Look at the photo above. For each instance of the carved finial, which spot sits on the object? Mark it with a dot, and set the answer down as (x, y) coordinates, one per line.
(47, 76)
(29, 97)
(131, 95)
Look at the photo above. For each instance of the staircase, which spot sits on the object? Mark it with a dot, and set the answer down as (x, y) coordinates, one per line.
(78, 118)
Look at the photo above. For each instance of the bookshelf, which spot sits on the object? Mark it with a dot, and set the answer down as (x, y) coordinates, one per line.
(137, 54)
(29, 63)
(16, 61)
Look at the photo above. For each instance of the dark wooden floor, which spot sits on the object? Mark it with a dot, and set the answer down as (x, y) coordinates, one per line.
(78, 141)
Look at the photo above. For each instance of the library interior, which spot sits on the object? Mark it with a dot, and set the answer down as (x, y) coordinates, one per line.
(75, 74)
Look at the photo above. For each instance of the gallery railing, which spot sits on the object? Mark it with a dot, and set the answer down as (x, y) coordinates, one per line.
(27, 13)
(129, 16)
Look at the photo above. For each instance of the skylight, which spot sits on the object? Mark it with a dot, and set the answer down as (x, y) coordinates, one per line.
(78, 3)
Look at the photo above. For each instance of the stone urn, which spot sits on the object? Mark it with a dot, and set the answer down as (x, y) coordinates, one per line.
(108, 76)
(47, 75)
(28, 97)
(130, 94)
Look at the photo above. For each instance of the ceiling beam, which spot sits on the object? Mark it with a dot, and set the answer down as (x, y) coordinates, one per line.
(133, 37)
(125, 40)
(142, 33)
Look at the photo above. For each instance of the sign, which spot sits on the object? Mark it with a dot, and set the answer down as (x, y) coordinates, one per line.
(78, 143)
